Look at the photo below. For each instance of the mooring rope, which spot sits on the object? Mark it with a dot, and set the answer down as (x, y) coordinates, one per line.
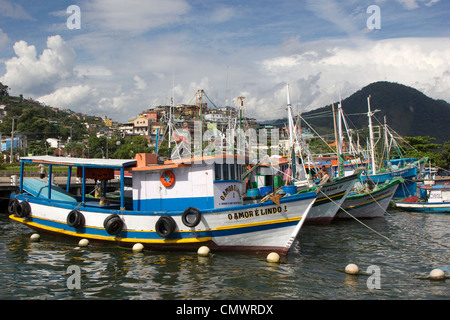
(383, 236)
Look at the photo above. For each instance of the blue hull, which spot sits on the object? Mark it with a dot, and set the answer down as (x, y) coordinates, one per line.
(406, 189)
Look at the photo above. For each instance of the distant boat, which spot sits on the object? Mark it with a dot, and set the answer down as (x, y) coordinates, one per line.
(408, 171)
(369, 203)
(433, 199)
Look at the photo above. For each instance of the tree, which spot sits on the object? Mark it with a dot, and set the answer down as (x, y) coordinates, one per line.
(129, 148)
(421, 147)
(4, 90)
(443, 161)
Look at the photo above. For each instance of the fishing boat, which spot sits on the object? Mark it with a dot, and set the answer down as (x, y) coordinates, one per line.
(330, 192)
(368, 201)
(433, 199)
(406, 168)
(330, 197)
(176, 205)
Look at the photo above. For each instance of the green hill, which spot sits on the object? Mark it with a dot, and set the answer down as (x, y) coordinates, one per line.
(408, 111)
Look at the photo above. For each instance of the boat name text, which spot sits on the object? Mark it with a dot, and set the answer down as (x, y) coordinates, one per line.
(256, 213)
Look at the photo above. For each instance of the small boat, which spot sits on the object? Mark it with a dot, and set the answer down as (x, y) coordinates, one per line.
(176, 205)
(432, 199)
(368, 203)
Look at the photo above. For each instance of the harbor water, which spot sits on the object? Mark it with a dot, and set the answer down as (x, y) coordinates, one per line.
(390, 269)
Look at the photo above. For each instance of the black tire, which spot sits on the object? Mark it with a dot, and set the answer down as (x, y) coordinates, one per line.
(13, 202)
(23, 209)
(188, 212)
(165, 226)
(75, 219)
(113, 224)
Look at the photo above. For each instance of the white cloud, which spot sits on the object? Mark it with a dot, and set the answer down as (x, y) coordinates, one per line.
(222, 14)
(318, 76)
(137, 16)
(28, 74)
(140, 84)
(3, 38)
(415, 4)
(68, 97)
(13, 10)
(332, 11)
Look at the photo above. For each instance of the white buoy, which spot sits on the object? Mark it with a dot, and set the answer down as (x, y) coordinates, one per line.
(203, 251)
(83, 243)
(273, 257)
(351, 269)
(437, 274)
(35, 237)
(138, 247)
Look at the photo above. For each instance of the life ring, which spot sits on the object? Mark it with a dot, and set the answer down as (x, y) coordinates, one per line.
(13, 202)
(188, 212)
(23, 209)
(75, 219)
(165, 226)
(113, 224)
(167, 178)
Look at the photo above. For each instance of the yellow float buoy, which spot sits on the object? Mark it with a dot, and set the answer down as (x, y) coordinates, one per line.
(138, 247)
(273, 257)
(83, 243)
(203, 251)
(437, 274)
(35, 237)
(351, 269)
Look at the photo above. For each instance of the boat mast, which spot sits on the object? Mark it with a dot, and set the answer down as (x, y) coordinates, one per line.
(170, 113)
(372, 147)
(341, 139)
(386, 140)
(291, 131)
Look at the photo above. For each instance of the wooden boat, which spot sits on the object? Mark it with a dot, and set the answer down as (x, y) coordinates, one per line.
(176, 205)
(369, 203)
(434, 199)
(330, 197)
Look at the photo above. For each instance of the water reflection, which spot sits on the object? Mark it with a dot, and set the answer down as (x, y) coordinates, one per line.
(313, 270)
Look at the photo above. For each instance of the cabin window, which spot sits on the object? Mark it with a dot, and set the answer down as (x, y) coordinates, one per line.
(228, 171)
(225, 172)
(218, 171)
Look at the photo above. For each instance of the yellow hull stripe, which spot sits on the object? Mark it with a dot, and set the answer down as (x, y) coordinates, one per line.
(105, 238)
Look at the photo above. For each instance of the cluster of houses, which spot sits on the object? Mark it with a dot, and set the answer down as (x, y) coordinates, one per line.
(151, 122)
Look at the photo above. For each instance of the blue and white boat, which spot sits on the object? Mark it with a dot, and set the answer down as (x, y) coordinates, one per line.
(176, 205)
(409, 172)
(433, 199)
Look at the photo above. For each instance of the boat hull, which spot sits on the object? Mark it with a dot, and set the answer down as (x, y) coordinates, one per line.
(366, 206)
(329, 199)
(406, 189)
(442, 207)
(262, 227)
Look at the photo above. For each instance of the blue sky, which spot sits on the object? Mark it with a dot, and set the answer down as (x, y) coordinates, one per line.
(131, 55)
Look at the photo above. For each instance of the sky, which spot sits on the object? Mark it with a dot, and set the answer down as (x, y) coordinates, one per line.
(118, 58)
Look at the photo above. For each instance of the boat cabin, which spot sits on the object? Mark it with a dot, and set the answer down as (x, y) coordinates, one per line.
(177, 184)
